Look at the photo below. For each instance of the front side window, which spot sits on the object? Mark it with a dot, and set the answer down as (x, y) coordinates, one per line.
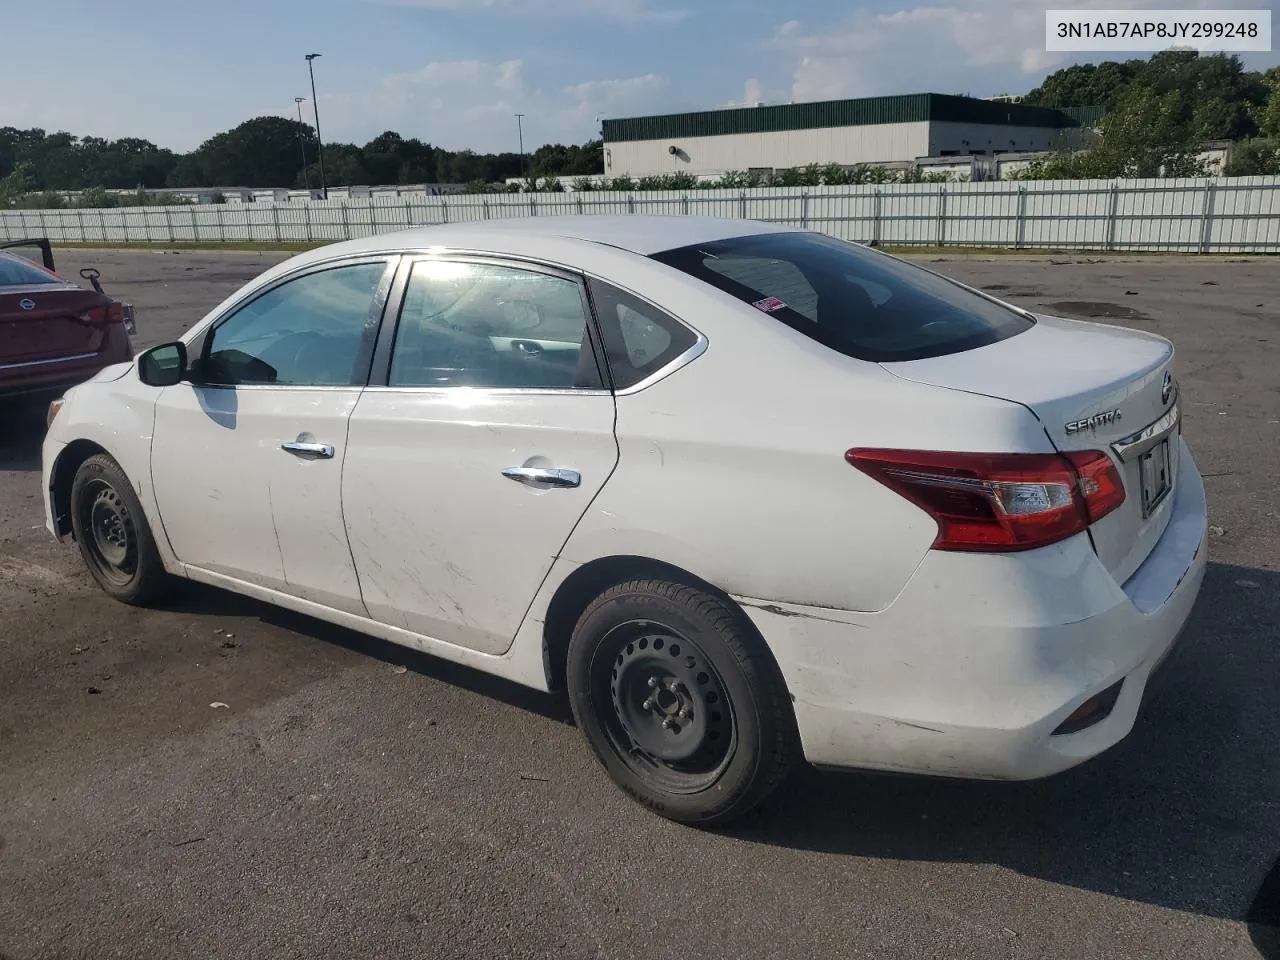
(311, 331)
(861, 303)
(490, 325)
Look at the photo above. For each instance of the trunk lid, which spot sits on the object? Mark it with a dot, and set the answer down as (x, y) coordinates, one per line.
(49, 321)
(1092, 387)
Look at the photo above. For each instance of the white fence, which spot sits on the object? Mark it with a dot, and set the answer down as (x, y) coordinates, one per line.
(1229, 215)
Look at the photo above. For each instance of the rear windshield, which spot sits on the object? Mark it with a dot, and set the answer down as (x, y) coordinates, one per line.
(856, 301)
(17, 272)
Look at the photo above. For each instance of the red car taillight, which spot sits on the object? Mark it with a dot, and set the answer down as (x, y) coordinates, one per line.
(999, 501)
(112, 312)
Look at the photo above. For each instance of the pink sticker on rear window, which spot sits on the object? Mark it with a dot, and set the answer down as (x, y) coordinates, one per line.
(769, 304)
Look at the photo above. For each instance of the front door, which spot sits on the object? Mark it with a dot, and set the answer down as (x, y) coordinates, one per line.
(477, 449)
(247, 462)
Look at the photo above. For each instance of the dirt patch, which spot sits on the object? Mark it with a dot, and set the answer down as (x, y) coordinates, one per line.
(1095, 309)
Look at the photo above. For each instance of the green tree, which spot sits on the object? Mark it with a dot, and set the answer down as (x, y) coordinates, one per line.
(262, 152)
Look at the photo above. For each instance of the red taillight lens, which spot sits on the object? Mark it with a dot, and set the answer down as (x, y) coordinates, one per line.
(112, 312)
(999, 501)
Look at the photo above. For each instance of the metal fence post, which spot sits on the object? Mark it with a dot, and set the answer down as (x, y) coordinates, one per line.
(84, 235)
(1114, 205)
(804, 210)
(485, 205)
(1206, 216)
(195, 226)
(533, 204)
(942, 215)
(408, 214)
(577, 204)
(306, 216)
(1021, 242)
(168, 219)
(742, 205)
(877, 204)
(631, 203)
(444, 207)
(346, 223)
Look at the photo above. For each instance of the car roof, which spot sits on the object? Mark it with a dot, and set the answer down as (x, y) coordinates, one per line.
(639, 234)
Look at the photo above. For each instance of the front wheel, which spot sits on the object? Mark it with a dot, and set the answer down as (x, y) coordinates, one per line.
(113, 534)
(680, 701)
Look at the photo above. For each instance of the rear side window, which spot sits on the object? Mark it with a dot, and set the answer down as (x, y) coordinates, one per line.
(861, 303)
(639, 339)
(16, 272)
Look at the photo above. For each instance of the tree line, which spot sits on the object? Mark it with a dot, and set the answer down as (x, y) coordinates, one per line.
(1159, 113)
(266, 152)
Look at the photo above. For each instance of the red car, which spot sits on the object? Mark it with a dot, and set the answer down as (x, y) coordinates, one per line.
(55, 333)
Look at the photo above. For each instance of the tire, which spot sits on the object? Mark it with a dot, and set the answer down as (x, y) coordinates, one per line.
(113, 534)
(680, 700)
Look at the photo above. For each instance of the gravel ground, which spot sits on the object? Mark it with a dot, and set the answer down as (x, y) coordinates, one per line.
(340, 808)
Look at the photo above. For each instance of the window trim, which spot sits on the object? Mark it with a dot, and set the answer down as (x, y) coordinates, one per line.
(691, 353)
(372, 322)
(379, 377)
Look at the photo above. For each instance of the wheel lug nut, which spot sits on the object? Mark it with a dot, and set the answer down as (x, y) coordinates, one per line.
(653, 683)
(685, 713)
(648, 704)
(668, 724)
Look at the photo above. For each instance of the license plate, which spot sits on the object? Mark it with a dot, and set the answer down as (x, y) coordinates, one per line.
(1157, 477)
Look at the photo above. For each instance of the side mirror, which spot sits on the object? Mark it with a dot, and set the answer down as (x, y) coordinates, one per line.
(163, 366)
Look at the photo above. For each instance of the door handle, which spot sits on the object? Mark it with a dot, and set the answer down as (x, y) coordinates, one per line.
(300, 449)
(550, 476)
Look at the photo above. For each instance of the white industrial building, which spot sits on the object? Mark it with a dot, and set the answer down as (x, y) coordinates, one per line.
(873, 130)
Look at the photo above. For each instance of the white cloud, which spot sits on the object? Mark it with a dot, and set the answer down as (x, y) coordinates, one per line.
(979, 48)
(472, 104)
(626, 11)
(752, 93)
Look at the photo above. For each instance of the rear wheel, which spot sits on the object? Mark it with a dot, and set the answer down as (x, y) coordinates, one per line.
(113, 534)
(680, 701)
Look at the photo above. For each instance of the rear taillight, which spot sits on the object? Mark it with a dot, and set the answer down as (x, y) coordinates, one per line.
(999, 501)
(112, 312)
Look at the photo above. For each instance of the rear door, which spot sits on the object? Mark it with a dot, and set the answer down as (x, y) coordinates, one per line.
(471, 457)
(43, 318)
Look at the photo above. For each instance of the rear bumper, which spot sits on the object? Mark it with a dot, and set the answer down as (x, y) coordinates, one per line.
(981, 658)
(54, 374)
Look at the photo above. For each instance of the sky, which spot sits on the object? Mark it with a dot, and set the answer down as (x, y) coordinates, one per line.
(455, 72)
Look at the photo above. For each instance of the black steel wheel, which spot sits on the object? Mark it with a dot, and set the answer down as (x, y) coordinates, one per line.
(112, 532)
(680, 700)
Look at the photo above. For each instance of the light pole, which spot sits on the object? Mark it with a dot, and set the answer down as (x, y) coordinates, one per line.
(324, 187)
(302, 143)
(520, 133)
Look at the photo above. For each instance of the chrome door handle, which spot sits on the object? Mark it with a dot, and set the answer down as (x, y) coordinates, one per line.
(550, 476)
(300, 449)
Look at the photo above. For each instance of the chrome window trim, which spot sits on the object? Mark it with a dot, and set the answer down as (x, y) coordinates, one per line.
(413, 253)
(490, 391)
(698, 348)
(1138, 443)
(43, 363)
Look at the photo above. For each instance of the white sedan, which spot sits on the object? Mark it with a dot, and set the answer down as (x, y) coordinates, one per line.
(750, 493)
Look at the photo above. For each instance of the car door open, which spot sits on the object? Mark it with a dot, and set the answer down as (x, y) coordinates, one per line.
(485, 433)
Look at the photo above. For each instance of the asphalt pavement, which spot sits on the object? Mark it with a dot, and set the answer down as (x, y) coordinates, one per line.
(221, 779)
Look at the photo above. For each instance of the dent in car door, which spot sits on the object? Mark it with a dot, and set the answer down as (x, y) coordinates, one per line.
(470, 463)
